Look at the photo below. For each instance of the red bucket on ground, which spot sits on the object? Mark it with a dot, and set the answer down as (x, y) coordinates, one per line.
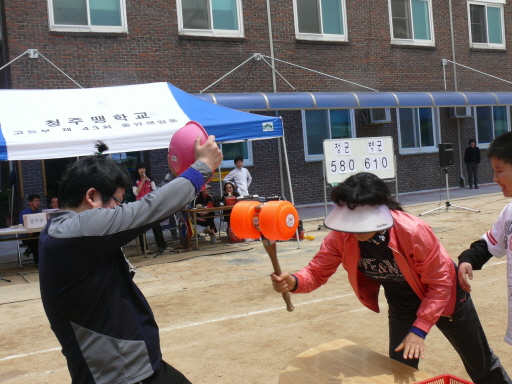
(445, 379)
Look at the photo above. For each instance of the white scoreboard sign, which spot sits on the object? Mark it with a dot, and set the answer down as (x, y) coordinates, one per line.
(344, 157)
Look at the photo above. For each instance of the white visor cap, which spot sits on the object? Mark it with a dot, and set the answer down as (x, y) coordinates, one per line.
(362, 219)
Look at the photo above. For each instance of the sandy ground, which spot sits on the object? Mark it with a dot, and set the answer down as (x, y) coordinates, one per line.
(221, 322)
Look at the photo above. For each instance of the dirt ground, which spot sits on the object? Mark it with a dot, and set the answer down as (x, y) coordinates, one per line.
(221, 322)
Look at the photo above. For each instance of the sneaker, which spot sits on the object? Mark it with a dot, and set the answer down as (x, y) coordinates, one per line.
(26, 253)
(476, 187)
(215, 240)
(207, 230)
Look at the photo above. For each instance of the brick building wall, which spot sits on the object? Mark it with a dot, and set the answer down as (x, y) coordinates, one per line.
(153, 51)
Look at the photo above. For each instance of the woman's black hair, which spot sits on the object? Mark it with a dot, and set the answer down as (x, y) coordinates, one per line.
(230, 183)
(364, 189)
(96, 171)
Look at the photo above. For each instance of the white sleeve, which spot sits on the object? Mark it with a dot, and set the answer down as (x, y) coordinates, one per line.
(496, 237)
(249, 178)
(230, 176)
(153, 186)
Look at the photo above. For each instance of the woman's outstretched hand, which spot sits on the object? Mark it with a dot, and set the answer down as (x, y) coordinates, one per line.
(283, 283)
(413, 346)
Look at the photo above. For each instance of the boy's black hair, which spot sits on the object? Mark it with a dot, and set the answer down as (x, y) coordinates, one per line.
(33, 196)
(471, 141)
(238, 158)
(364, 188)
(99, 172)
(501, 148)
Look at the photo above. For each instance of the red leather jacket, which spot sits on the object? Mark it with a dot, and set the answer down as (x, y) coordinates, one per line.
(423, 261)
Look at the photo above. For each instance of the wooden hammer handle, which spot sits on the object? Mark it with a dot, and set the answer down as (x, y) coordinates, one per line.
(270, 247)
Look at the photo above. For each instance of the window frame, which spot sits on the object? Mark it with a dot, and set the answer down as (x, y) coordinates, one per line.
(475, 113)
(437, 133)
(321, 36)
(248, 162)
(123, 28)
(494, 4)
(321, 157)
(211, 32)
(420, 42)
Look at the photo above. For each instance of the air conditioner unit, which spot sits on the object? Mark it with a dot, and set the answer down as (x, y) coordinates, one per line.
(459, 112)
(377, 115)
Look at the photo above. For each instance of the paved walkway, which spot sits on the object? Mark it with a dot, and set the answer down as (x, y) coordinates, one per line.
(8, 253)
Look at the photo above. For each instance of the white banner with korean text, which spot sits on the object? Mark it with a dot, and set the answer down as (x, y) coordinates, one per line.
(46, 124)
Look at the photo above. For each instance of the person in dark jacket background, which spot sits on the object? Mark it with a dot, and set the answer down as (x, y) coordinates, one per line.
(472, 159)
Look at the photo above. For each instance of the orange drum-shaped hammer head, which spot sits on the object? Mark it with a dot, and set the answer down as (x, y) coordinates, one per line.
(242, 220)
(278, 220)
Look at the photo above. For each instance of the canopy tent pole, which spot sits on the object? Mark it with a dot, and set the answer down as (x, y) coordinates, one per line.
(281, 178)
(289, 181)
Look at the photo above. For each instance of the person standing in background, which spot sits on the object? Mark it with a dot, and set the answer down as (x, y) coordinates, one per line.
(240, 177)
(472, 159)
(142, 185)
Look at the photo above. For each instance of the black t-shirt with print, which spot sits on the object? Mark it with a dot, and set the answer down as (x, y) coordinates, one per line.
(378, 263)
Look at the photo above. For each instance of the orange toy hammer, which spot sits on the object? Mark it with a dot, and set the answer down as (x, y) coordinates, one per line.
(271, 221)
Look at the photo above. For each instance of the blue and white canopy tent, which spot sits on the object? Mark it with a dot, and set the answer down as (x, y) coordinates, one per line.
(56, 123)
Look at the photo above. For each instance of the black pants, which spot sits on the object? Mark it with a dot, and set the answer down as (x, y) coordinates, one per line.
(206, 221)
(32, 246)
(465, 334)
(166, 375)
(159, 239)
(472, 169)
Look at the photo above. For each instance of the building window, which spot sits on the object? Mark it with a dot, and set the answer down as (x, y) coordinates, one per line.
(490, 122)
(418, 129)
(222, 18)
(320, 19)
(411, 22)
(87, 15)
(325, 124)
(232, 150)
(486, 28)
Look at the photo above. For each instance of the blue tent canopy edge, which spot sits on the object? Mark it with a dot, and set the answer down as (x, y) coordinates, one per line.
(228, 125)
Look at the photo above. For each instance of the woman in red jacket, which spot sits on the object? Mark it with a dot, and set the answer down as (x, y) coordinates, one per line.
(380, 245)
